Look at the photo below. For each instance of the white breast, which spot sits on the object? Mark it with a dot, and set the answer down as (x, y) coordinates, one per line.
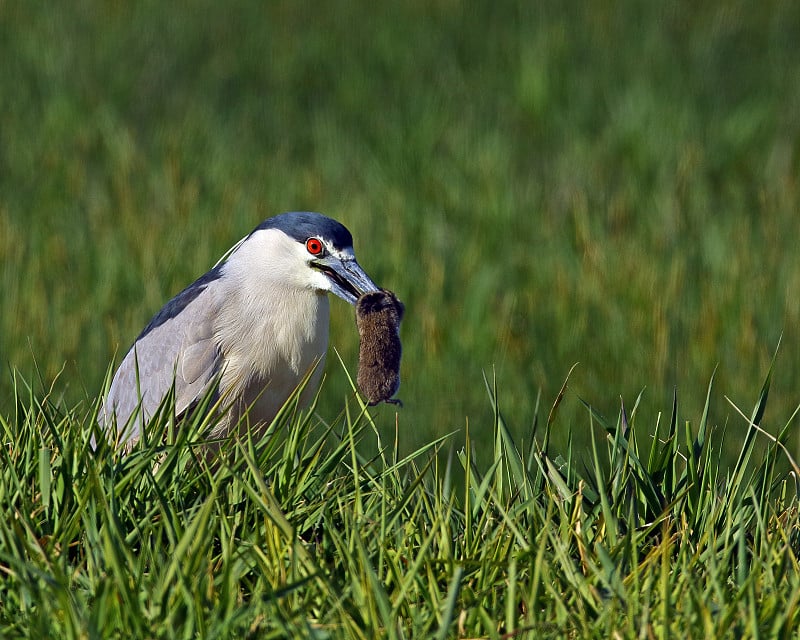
(271, 334)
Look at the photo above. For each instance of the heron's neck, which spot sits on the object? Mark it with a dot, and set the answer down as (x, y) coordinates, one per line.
(275, 327)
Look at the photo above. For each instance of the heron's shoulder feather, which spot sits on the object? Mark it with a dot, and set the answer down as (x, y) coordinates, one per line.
(173, 309)
(177, 347)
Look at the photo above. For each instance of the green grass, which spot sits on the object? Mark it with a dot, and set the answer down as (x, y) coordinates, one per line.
(299, 535)
(614, 185)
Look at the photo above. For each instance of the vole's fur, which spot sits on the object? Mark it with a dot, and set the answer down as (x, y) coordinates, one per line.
(378, 316)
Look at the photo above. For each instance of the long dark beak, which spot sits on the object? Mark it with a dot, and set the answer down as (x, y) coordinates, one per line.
(348, 280)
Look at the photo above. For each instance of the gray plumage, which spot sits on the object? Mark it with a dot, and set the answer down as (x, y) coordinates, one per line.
(255, 324)
(378, 316)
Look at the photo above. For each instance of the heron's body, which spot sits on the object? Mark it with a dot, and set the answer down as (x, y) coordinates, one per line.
(257, 324)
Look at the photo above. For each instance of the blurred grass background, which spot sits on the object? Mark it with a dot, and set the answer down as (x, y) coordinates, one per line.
(614, 184)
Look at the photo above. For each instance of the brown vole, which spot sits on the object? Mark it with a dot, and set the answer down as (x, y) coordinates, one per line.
(378, 316)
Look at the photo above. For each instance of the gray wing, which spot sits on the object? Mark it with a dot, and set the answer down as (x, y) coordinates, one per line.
(178, 346)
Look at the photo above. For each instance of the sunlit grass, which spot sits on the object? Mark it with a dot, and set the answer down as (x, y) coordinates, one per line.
(614, 186)
(298, 534)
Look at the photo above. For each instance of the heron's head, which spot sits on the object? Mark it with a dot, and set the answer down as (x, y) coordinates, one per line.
(307, 250)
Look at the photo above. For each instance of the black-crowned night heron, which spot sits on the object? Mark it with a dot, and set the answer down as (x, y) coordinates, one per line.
(256, 324)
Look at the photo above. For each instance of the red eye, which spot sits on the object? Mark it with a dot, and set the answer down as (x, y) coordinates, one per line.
(314, 246)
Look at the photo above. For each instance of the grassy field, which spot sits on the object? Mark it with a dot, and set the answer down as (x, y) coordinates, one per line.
(298, 536)
(613, 185)
(616, 187)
